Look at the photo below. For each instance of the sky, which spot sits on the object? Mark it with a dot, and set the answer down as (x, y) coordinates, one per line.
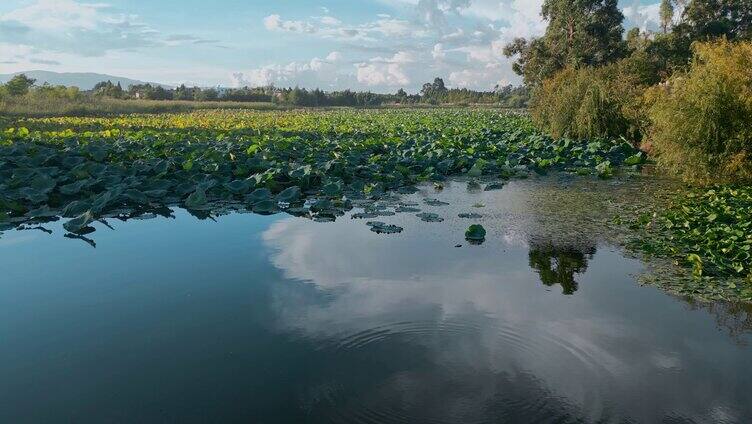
(376, 45)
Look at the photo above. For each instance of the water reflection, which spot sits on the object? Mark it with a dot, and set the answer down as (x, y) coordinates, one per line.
(279, 319)
(467, 335)
(557, 264)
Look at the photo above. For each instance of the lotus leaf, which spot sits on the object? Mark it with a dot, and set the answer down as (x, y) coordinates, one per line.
(197, 200)
(475, 233)
(429, 217)
(78, 223)
(290, 195)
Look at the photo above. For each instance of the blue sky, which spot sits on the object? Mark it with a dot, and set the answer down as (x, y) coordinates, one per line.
(379, 45)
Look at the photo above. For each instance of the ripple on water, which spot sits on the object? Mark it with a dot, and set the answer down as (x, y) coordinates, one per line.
(458, 390)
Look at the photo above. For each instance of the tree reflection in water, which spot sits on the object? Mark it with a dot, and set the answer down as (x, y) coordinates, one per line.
(557, 263)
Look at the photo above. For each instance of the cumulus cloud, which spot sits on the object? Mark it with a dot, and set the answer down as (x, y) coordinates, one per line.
(438, 52)
(322, 73)
(276, 23)
(645, 17)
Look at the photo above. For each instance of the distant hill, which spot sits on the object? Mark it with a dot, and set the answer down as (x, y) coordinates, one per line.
(82, 80)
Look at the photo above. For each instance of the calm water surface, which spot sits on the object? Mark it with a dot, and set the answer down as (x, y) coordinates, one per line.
(279, 319)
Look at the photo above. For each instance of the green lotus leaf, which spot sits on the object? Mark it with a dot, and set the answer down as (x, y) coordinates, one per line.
(34, 196)
(429, 217)
(238, 186)
(102, 201)
(434, 202)
(387, 229)
(290, 195)
(135, 196)
(74, 188)
(475, 233)
(635, 159)
(265, 207)
(406, 209)
(321, 205)
(75, 208)
(473, 185)
(197, 200)
(43, 184)
(260, 194)
(80, 222)
(332, 190)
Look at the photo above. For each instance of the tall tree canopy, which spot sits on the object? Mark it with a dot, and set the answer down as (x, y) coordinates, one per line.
(708, 19)
(579, 33)
(667, 14)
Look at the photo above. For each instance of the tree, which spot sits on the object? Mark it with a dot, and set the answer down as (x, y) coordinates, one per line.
(108, 89)
(434, 91)
(666, 14)
(19, 85)
(708, 19)
(579, 33)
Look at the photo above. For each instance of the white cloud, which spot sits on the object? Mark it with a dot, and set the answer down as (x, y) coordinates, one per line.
(438, 52)
(276, 23)
(81, 29)
(328, 20)
(61, 15)
(321, 73)
(645, 17)
(382, 74)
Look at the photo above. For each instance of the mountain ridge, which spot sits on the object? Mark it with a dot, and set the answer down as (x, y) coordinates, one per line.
(82, 80)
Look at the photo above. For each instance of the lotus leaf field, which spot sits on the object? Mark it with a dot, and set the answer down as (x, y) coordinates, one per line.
(320, 164)
(310, 163)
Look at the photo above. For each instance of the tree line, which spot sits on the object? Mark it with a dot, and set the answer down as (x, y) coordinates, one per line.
(434, 93)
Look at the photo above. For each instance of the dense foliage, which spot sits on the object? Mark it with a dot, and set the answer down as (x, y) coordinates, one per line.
(709, 231)
(702, 119)
(84, 168)
(682, 94)
(590, 102)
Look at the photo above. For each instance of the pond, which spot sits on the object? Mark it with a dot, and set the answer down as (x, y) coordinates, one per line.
(276, 319)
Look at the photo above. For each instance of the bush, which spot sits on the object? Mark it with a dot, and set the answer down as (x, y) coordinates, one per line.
(591, 103)
(702, 119)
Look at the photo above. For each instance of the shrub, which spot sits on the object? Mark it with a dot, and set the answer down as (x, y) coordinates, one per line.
(702, 119)
(591, 102)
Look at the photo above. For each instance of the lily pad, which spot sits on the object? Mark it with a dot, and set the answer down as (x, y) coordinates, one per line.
(75, 208)
(494, 186)
(74, 188)
(364, 215)
(434, 202)
(473, 185)
(260, 194)
(238, 186)
(197, 200)
(290, 195)
(383, 228)
(265, 207)
(475, 233)
(406, 209)
(429, 217)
